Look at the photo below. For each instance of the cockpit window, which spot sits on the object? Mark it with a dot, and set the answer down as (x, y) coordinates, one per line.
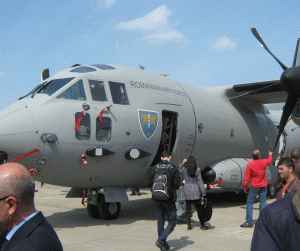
(118, 93)
(75, 92)
(97, 90)
(103, 66)
(54, 85)
(83, 69)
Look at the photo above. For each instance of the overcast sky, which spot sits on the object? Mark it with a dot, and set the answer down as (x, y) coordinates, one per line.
(202, 43)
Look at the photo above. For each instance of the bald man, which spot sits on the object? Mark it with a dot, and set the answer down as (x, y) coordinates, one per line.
(27, 228)
(256, 172)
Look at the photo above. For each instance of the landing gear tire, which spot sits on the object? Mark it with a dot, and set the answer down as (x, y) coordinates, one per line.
(271, 191)
(93, 211)
(109, 210)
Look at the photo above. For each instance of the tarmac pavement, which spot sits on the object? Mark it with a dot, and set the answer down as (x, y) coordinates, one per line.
(136, 226)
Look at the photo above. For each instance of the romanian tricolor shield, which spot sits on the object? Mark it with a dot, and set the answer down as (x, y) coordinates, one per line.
(148, 122)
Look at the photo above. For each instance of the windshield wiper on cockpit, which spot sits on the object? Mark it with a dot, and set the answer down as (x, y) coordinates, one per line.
(32, 91)
(40, 88)
(35, 90)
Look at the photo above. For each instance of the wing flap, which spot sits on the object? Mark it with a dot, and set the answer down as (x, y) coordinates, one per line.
(265, 92)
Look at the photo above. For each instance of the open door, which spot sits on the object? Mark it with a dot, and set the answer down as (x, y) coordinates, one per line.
(168, 134)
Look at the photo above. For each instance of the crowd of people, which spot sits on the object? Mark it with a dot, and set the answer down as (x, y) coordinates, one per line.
(278, 225)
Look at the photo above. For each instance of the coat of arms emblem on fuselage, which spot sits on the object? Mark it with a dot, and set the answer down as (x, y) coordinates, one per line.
(148, 122)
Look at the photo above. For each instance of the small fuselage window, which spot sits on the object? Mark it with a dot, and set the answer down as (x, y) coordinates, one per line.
(97, 90)
(103, 66)
(54, 85)
(82, 126)
(83, 69)
(103, 130)
(118, 93)
(75, 92)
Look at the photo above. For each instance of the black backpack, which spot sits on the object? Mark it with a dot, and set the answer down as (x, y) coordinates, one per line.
(161, 182)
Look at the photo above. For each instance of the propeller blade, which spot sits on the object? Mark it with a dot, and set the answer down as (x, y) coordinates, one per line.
(262, 43)
(297, 55)
(268, 88)
(288, 108)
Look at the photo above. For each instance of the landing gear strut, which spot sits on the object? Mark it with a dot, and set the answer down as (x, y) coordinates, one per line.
(98, 208)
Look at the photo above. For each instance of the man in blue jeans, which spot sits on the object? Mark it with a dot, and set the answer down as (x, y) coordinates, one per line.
(256, 172)
(166, 207)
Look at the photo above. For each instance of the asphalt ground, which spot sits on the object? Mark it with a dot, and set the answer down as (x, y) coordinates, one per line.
(136, 226)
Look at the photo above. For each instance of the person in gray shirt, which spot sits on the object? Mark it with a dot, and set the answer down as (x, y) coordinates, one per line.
(193, 188)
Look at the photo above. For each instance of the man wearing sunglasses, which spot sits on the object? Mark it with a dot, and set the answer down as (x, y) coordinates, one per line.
(26, 228)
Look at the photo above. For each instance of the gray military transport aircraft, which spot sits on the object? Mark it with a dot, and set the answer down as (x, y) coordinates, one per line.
(98, 128)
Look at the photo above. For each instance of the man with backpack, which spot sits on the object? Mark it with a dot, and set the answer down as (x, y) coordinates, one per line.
(165, 179)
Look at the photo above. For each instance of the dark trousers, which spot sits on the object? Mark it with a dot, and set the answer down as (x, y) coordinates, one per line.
(165, 208)
(188, 206)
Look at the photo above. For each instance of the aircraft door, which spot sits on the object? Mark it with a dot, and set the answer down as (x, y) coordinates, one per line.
(168, 134)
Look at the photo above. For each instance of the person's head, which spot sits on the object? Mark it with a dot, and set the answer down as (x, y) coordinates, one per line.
(191, 166)
(295, 154)
(256, 154)
(166, 156)
(3, 157)
(16, 195)
(286, 168)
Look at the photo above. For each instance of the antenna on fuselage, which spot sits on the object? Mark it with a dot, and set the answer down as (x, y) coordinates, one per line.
(74, 65)
(164, 74)
(45, 74)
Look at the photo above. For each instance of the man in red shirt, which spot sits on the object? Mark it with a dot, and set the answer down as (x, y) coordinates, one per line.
(256, 172)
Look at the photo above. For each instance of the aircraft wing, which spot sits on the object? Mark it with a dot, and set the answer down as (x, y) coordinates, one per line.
(266, 92)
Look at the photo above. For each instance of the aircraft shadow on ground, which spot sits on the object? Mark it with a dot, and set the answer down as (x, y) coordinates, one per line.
(136, 210)
(143, 209)
(225, 198)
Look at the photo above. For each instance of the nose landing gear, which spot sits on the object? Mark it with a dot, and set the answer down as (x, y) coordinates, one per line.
(98, 208)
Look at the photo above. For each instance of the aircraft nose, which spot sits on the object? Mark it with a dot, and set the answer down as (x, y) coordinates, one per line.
(19, 133)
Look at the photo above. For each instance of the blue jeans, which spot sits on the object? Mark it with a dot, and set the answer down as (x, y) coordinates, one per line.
(165, 208)
(252, 194)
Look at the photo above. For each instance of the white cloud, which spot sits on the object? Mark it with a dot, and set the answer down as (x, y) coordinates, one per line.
(156, 20)
(159, 38)
(98, 4)
(224, 43)
(108, 3)
(156, 25)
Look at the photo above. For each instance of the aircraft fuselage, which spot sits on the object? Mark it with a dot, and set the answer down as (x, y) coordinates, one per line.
(132, 105)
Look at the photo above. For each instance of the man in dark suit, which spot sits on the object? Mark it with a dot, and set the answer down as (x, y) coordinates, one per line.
(27, 228)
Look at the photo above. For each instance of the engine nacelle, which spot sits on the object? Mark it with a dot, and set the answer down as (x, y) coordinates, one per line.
(232, 172)
(296, 114)
(208, 175)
